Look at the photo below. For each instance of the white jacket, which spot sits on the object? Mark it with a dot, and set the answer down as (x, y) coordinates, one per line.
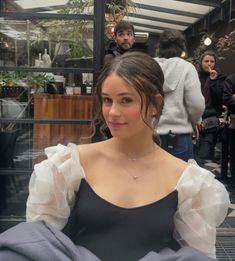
(202, 200)
(183, 103)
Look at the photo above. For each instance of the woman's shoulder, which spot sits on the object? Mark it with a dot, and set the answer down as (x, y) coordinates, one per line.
(61, 159)
(187, 175)
(91, 150)
(195, 179)
(194, 172)
(173, 167)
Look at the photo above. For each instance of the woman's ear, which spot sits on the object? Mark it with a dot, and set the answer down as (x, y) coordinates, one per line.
(154, 111)
(159, 100)
(157, 112)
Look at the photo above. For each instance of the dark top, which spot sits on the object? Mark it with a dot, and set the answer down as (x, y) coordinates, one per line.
(229, 91)
(122, 234)
(213, 92)
(112, 51)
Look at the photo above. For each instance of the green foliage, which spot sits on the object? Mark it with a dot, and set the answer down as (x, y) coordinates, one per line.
(13, 77)
(115, 10)
(72, 31)
(77, 6)
(33, 80)
(39, 80)
(226, 43)
(30, 79)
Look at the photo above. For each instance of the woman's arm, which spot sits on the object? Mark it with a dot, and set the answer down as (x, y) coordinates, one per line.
(203, 205)
(53, 186)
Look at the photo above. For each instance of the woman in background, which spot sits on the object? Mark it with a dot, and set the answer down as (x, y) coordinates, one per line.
(212, 88)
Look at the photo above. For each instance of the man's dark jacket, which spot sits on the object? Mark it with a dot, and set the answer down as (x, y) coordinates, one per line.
(229, 91)
(112, 51)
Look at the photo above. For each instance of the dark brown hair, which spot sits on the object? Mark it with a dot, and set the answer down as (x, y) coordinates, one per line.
(208, 52)
(122, 26)
(172, 44)
(140, 71)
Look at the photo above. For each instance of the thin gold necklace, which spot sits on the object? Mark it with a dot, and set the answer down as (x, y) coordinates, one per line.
(135, 159)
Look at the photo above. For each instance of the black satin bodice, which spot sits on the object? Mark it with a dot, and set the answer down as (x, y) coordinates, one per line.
(116, 233)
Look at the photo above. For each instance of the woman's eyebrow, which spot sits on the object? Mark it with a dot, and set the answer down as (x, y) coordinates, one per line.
(119, 94)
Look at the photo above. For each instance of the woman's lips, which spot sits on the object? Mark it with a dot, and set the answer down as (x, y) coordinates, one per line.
(116, 125)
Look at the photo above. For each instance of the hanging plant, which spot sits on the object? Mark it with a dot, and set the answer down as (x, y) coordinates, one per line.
(115, 10)
(226, 43)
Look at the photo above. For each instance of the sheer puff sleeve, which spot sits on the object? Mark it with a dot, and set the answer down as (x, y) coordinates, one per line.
(53, 185)
(202, 206)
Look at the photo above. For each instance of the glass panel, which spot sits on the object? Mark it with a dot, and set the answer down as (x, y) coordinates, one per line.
(50, 6)
(14, 193)
(24, 146)
(57, 47)
(46, 43)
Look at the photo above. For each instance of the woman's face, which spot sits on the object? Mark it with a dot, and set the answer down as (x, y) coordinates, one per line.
(208, 61)
(121, 108)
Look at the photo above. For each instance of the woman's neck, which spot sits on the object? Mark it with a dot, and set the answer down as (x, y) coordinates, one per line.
(134, 148)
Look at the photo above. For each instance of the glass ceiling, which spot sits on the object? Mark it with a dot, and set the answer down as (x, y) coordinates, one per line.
(150, 15)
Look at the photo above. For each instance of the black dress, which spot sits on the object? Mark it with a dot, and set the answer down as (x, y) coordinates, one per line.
(116, 233)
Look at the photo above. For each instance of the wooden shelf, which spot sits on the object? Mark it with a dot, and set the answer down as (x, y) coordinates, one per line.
(46, 106)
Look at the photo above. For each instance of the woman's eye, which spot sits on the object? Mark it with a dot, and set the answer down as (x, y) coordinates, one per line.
(126, 100)
(106, 100)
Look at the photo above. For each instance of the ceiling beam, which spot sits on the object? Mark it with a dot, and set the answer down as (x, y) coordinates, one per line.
(151, 26)
(26, 15)
(213, 3)
(157, 19)
(41, 9)
(210, 21)
(168, 10)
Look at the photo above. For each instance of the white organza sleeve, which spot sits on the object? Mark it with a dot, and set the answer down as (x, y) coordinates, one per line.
(53, 186)
(202, 206)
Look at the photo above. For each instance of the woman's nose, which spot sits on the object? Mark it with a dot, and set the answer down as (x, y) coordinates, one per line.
(114, 110)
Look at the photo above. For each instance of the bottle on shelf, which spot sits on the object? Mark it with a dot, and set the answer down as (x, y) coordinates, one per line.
(39, 62)
(46, 59)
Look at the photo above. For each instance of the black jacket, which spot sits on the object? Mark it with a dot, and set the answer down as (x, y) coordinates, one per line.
(228, 92)
(112, 51)
(214, 102)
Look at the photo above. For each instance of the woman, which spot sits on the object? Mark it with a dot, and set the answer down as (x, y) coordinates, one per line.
(125, 198)
(184, 103)
(212, 88)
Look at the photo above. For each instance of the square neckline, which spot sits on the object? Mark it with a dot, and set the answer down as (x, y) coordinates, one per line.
(76, 157)
(128, 208)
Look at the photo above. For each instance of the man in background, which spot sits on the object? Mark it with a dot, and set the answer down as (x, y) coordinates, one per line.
(124, 39)
(229, 101)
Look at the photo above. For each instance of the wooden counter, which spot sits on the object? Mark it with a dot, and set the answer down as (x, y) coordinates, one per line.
(46, 106)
